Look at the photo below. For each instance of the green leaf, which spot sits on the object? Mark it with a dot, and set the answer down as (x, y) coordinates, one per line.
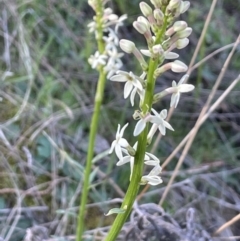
(116, 210)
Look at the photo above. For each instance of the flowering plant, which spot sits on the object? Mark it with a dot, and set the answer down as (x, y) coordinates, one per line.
(106, 61)
(162, 34)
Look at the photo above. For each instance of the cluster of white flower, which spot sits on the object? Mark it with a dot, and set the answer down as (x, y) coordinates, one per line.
(176, 36)
(111, 58)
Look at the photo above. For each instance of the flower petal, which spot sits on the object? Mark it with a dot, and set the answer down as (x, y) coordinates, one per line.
(155, 171)
(174, 100)
(153, 157)
(132, 96)
(155, 112)
(139, 127)
(177, 99)
(118, 152)
(167, 125)
(137, 84)
(152, 131)
(127, 89)
(163, 114)
(112, 146)
(183, 79)
(119, 78)
(123, 129)
(124, 160)
(183, 88)
(123, 142)
(152, 180)
(118, 131)
(151, 163)
(171, 55)
(162, 129)
(174, 84)
(145, 52)
(156, 120)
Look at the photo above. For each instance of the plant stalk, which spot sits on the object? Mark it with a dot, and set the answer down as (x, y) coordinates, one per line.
(94, 124)
(133, 187)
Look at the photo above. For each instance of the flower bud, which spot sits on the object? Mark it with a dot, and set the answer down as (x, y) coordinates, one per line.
(170, 55)
(156, 3)
(179, 26)
(165, 2)
(173, 4)
(184, 33)
(131, 150)
(182, 43)
(184, 6)
(127, 46)
(146, 9)
(146, 31)
(173, 8)
(93, 4)
(112, 17)
(141, 19)
(140, 27)
(158, 15)
(157, 49)
(140, 59)
(178, 66)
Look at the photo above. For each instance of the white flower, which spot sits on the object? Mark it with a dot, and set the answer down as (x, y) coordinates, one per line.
(119, 142)
(114, 62)
(127, 46)
(141, 94)
(127, 159)
(141, 124)
(167, 55)
(119, 22)
(184, 6)
(152, 178)
(178, 89)
(130, 79)
(92, 26)
(97, 59)
(178, 66)
(152, 161)
(159, 123)
(112, 67)
(112, 37)
(149, 159)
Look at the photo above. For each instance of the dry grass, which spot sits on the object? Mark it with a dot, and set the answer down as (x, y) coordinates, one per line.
(47, 91)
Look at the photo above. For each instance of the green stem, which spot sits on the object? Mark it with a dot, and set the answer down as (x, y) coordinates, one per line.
(137, 173)
(133, 187)
(94, 125)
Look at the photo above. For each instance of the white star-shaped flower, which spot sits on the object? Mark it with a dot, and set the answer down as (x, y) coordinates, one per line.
(130, 79)
(119, 142)
(152, 161)
(178, 89)
(152, 178)
(97, 59)
(127, 159)
(159, 122)
(141, 124)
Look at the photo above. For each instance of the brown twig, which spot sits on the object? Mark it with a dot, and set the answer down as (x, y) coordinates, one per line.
(228, 224)
(198, 123)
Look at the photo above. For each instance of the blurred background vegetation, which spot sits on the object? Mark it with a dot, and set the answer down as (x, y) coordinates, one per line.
(47, 93)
